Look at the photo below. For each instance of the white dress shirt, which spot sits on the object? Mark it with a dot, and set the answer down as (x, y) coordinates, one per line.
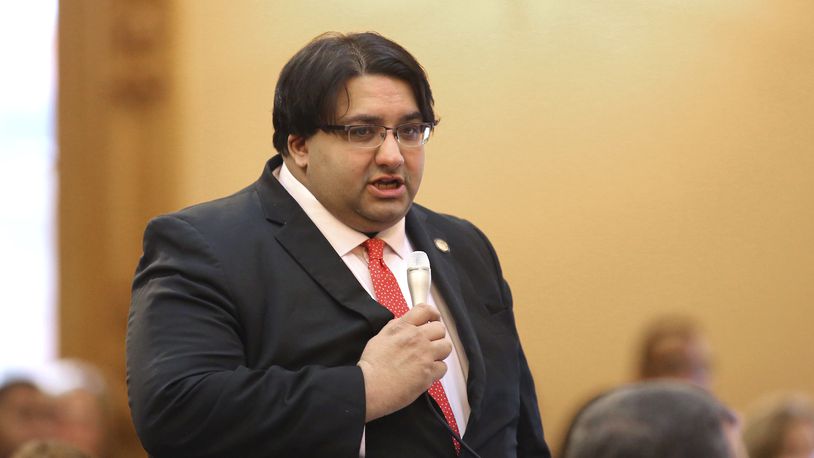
(347, 243)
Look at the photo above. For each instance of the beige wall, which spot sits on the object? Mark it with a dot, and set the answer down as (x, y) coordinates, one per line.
(626, 159)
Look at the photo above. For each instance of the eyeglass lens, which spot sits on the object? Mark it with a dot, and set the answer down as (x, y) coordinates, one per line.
(412, 134)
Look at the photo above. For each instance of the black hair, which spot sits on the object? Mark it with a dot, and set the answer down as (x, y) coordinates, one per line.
(309, 84)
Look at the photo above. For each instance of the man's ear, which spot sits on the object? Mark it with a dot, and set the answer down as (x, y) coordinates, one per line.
(298, 149)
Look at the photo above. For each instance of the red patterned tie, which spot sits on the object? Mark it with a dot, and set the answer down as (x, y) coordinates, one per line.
(389, 295)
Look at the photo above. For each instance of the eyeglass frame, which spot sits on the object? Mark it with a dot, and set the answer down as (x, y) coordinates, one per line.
(348, 127)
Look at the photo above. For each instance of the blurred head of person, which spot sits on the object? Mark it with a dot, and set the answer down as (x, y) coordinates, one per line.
(781, 426)
(26, 413)
(675, 347)
(659, 419)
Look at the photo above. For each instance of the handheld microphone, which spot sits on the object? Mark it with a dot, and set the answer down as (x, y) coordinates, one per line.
(419, 276)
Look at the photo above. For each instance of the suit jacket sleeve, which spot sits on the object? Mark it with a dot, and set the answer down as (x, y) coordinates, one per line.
(191, 392)
(530, 440)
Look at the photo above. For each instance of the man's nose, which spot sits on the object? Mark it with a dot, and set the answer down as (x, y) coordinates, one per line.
(389, 153)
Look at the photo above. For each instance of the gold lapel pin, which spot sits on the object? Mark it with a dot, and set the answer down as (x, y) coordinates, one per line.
(442, 245)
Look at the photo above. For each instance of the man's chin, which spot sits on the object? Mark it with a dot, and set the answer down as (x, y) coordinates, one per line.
(379, 221)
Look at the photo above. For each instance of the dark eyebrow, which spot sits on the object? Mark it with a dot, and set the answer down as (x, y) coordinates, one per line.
(375, 120)
(362, 119)
(411, 117)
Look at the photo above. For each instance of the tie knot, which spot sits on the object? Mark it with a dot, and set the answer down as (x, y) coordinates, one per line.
(375, 249)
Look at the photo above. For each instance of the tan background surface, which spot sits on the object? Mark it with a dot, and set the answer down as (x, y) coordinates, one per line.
(626, 159)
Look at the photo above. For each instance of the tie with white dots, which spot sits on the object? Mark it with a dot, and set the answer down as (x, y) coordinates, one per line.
(389, 295)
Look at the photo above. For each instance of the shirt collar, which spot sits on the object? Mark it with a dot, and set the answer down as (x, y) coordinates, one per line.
(341, 237)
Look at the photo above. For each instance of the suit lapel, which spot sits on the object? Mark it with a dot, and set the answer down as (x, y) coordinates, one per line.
(445, 278)
(300, 237)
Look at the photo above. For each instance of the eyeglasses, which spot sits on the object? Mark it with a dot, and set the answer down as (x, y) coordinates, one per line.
(410, 134)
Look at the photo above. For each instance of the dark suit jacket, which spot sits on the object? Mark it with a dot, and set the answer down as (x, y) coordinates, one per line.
(245, 328)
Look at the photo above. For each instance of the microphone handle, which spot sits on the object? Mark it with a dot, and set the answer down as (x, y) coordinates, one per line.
(418, 282)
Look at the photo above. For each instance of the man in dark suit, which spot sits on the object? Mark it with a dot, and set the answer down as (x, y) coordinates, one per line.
(273, 322)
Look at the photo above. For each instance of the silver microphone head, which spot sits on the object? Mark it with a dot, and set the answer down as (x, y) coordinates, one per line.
(418, 260)
(418, 276)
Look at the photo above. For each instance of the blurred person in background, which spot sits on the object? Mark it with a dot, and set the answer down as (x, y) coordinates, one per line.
(675, 347)
(26, 413)
(656, 419)
(671, 347)
(781, 426)
(80, 420)
(80, 407)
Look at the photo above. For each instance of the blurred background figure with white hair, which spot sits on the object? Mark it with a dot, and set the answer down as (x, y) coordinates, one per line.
(61, 405)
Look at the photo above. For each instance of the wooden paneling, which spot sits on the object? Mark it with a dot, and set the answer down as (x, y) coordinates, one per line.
(116, 170)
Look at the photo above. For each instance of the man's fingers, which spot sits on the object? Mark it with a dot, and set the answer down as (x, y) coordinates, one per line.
(439, 368)
(440, 349)
(421, 314)
(433, 330)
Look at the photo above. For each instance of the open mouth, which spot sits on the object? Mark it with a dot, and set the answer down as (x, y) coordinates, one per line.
(386, 184)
